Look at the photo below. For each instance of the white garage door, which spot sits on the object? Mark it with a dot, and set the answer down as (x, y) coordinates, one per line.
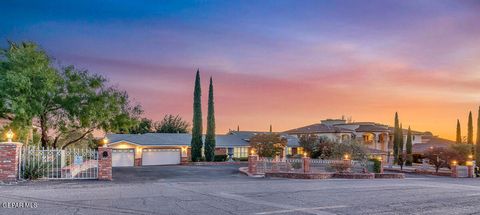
(123, 157)
(160, 156)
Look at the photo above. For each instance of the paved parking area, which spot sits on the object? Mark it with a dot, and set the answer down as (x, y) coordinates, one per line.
(222, 190)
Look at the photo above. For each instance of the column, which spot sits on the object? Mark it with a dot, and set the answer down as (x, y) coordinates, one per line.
(252, 164)
(105, 163)
(9, 161)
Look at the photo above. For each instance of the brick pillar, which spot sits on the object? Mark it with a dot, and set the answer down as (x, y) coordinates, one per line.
(252, 164)
(454, 171)
(105, 163)
(470, 171)
(138, 162)
(184, 156)
(306, 164)
(9, 160)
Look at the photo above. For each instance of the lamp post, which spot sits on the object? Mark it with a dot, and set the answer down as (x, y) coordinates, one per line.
(105, 141)
(9, 136)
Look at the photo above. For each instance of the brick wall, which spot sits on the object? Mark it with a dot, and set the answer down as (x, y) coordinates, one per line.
(9, 158)
(105, 163)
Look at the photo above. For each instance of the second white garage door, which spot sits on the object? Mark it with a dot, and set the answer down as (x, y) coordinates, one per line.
(160, 156)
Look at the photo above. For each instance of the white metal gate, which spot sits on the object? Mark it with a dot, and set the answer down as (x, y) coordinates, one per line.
(50, 163)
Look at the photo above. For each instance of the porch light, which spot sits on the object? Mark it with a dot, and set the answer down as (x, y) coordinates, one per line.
(469, 163)
(9, 135)
(252, 151)
(470, 157)
(346, 157)
(304, 154)
(454, 162)
(105, 141)
(379, 158)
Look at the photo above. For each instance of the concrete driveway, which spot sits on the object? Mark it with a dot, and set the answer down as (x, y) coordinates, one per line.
(175, 173)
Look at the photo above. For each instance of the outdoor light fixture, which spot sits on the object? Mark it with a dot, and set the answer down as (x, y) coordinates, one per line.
(454, 163)
(105, 141)
(346, 157)
(9, 135)
(304, 154)
(470, 157)
(252, 152)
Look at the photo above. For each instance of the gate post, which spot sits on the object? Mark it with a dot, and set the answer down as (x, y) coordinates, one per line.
(9, 161)
(306, 164)
(454, 170)
(252, 164)
(105, 163)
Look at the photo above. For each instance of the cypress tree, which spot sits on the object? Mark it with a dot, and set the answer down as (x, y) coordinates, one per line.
(409, 148)
(470, 129)
(197, 128)
(459, 133)
(477, 147)
(400, 141)
(395, 139)
(210, 137)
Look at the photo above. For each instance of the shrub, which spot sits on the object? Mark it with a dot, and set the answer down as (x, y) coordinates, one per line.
(34, 170)
(417, 158)
(241, 159)
(220, 158)
(377, 165)
(341, 167)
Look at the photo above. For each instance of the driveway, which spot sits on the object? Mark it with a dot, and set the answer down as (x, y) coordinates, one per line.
(221, 190)
(175, 173)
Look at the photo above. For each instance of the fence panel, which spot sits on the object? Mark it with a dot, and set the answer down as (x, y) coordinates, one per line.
(279, 165)
(50, 163)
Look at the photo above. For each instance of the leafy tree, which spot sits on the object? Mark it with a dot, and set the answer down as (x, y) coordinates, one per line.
(29, 86)
(172, 124)
(396, 139)
(355, 150)
(477, 146)
(438, 157)
(460, 152)
(409, 145)
(210, 136)
(65, 101)
(459, 133)
(144, 126)
(470, 129)
(309, 143)
(268, 145)
(197, 128)
(316, 147)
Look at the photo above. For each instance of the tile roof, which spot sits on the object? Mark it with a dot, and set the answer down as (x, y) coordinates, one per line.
(318, 128)
(178, 139)
(431, 141)
(372, 127)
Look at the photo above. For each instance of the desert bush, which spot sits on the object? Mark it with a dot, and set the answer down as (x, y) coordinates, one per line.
(34, 170)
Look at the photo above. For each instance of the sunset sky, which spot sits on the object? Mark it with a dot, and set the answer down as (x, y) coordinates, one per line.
(285, 63)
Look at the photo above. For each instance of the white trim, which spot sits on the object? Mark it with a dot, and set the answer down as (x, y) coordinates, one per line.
(120, 141)
(126, 141)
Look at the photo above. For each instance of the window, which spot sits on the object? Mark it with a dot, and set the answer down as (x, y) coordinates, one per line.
(289, 150)
(240, 152)
(300, 151)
